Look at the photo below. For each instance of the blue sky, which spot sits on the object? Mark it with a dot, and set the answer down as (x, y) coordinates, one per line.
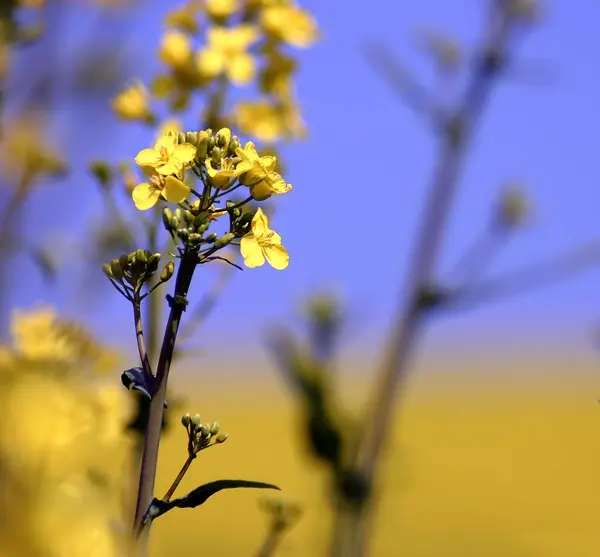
(544, 133)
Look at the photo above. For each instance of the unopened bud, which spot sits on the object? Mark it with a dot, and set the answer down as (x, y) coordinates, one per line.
(216, 155)
(224, 240)
(192, 137)
(221, 438)
(106, 268)
(221, 140)
(140, 256)
(186, 420)
(211, 237)
(197, 421)
(124, 261)
(101, 172)
(233, 145)
(116, 269)
(153, 261)
(167, 271)
(214, 428)
(194, 238)
(167, 215)
(205, 430)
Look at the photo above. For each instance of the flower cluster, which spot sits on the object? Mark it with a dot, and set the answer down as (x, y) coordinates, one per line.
(209, 44)
(222, 165)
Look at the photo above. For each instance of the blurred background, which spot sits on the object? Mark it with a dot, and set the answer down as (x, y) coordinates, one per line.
(496, 446)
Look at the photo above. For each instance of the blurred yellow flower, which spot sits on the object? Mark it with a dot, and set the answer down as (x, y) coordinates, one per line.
(260, 175)
(35, 4)
(219, 9)
(226, 52)
(167, 156)
(171, 125)
(262, 243)
(39, 335)
(290, 24)
(175, 49)
(260, 119)
(133, 103)
(146, 195)
(182, 17)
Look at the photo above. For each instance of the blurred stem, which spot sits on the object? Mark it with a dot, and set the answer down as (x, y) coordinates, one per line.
(179, 477)
(154, 314)
(271, 542)
(353, 521)
(155, 418)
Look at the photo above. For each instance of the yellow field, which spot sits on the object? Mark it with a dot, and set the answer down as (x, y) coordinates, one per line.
(484, 471)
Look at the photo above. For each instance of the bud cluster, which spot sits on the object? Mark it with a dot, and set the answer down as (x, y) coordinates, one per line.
(137, 268)
(201, 436)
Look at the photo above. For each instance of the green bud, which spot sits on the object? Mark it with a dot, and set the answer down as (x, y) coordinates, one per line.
(224, 240)
(229, 204)
(124, 261)
(140, 256)
(180, 137)
(167, 271)
(202, 148)
(194, 238)
(101, 172)
(197, 421)
(210, 144)
(192, 137)
(216, 155)
(233, 145)
(188, 217)
(177, 213)
(201, 219)
(203, 228)
(205, 430)
(153, 261)
(221, 438)
(221, 140)
(211, 237)
(208, 132)
(214, 428)
(131, 258)
(186, 420)
(173, 224)
(237, 213)
(117, 271)
(167, 215)
(106, 268)
(183, 233)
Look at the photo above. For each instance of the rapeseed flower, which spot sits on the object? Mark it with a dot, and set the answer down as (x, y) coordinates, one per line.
(262, 243)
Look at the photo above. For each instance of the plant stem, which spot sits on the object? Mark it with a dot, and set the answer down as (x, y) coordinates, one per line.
(353, 526)
(139, 334)
(271, 542)
(179, 477)
(155, 418)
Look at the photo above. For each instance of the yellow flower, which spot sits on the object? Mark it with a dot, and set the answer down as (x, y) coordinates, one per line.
(219, 9)
(175, 49)
(290, 24)
(260, 119)
(226, 53)
(170, 126)
(183, 17)
(262, 243)
(146, 195)
(167, 157)
(260, 175)
(132, 103)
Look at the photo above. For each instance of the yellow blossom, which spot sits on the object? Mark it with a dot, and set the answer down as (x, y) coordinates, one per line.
(226, 52)
(219, 9)
(171, 125)
(260, 176)
(260, 119)
(183, 17)
(167, 157)
(290, 24)
(175, 49)
(146, 195)
(133, 102)
(263, 243)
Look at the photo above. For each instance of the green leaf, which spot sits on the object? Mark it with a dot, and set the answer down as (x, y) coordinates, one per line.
(198, 496)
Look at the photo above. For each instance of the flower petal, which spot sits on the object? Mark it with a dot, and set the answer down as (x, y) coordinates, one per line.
(186, 152)
(251, 251)
(145, 196)
(241, 69)
(260, 224)
(277, 256)
(167, 142)
(175, 191)
(174, 166)
(148, 157)
(278, 184)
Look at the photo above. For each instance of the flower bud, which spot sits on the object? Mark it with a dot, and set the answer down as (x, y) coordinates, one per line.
(192, 137)
(124, 261)
(167, 271)
(211, 237)
(221, 438)
(188, 217)
(214, 428)
(201, 219)
(233, 145)
(117, 271)
(216, 155)
(180, 137)
(101, 172)
(140, 256)
(197, 421)
(106, 268)
(186, 420)
(195, 238)
(224, 240)
(205, 430)
(183, 233)
(167, 215)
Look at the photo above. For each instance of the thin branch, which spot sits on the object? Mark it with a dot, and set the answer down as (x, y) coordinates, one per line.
(533, 277)
(139, 333)
(179, 477)
(353, 527)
